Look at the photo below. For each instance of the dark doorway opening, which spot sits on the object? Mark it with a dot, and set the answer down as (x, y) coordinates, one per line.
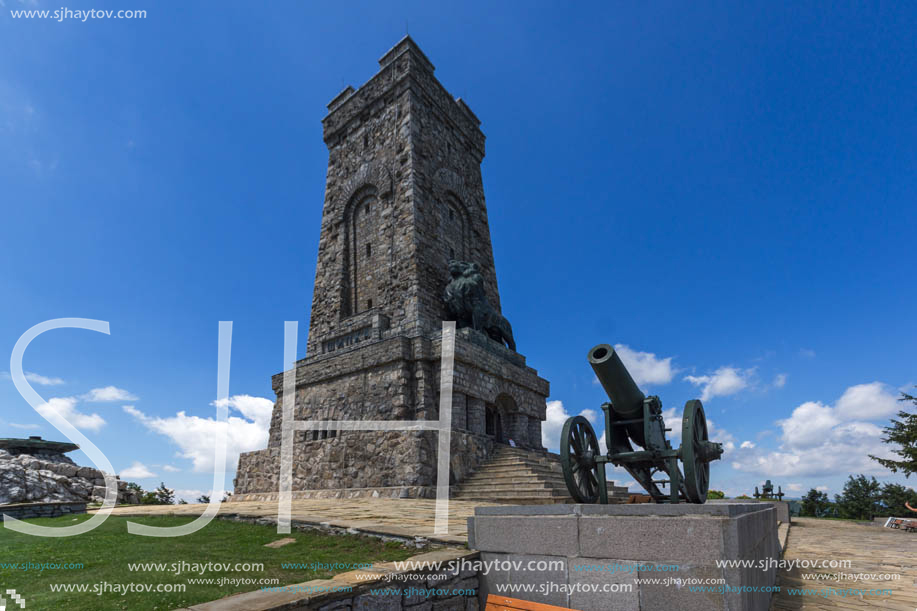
(493, 424)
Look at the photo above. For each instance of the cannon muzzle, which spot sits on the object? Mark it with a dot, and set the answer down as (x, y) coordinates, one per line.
(626, 399)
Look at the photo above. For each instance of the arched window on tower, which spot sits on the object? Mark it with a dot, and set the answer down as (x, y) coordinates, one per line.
(453, 229)
(362, 265)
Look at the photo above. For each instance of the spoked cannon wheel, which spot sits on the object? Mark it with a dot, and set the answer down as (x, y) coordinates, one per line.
(697, 452)
(579, 448)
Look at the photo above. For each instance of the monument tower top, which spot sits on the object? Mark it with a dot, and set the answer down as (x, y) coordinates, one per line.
(403, 197)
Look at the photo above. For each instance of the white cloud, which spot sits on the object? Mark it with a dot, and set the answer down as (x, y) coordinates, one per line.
(747, 445)
(137, 471)
(780, 380)
(24, 426)
(644, 367)
(189, 495)
(597, 419)
(109, 393)
(867, 402)
(65, 407)
(808, 425)
(673, 420)
(794, 487)
(724, 381)
(807, 353)
(819, 439)
(42, 380)
(821, 488)
(36, 378)
(196, 436)
(170, 469)
(555, 416)
(714, 433)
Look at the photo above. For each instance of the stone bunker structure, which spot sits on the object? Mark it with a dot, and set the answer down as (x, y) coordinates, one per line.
(35, 470)
(403, 198)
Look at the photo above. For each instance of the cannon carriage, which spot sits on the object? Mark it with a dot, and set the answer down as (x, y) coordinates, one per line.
(632, 417)
(769, 493)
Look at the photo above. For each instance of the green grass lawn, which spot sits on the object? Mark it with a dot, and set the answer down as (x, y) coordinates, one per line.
(106, 551)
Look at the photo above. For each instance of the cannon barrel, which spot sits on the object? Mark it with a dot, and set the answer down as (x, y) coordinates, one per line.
(626, 398)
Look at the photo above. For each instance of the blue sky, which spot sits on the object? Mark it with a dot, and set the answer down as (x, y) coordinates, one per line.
(727, 191)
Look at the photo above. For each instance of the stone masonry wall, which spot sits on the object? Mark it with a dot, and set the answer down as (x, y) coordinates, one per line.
(26, 511)
(399, 463)
(377, 381)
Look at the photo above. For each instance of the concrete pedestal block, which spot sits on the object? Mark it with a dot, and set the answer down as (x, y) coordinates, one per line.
(630, 557)
(782, 507)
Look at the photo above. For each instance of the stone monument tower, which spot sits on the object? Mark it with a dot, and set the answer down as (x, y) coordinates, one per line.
(403, 198)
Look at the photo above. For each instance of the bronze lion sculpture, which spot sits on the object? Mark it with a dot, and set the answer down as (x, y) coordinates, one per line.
(467, 303)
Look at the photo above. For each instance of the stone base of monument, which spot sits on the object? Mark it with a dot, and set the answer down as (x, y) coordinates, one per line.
(629, 557)
(782, 507)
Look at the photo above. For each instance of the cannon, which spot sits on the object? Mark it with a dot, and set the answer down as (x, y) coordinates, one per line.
(632, 417)
(768, 493)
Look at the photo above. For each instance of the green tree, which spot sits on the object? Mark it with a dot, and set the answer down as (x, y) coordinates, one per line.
(814, 504)
(903, 433)
(135, 487)
(165, 496)
(203, 499)
(715, 494)
(893, 498)
(160, 496)
(860, 499)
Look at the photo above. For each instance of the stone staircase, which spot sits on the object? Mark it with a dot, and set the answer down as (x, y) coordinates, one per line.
(521, 477)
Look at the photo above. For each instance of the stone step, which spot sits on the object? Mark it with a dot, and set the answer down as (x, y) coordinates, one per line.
(515, 481)
(519, 499)
(504, 467)
(472, 488)
(503, 472)
(500, 462)
(539, 469)
(521, 477)
(522, 500)
(482, 493)
(517, 476)
(512, 478)
(526, 483)
(502, 450)
(506, 494)
(514, 460)
(526, 456)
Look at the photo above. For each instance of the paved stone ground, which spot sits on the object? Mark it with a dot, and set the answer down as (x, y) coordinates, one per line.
(406, 518)
(871, 549)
